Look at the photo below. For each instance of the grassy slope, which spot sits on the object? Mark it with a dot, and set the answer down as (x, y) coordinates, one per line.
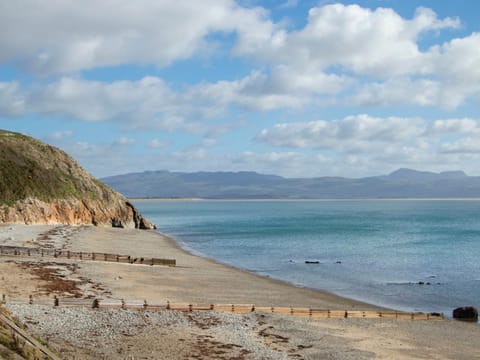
(32, 169)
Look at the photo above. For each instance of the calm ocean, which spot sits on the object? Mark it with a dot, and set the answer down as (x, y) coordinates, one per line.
(375, 251)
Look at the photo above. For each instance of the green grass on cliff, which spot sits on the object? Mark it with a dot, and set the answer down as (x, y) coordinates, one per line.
(32, 169)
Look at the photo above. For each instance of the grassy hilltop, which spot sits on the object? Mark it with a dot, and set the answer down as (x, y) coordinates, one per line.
(42, 184)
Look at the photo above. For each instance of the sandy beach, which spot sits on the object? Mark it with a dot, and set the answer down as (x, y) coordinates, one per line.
(83, 333)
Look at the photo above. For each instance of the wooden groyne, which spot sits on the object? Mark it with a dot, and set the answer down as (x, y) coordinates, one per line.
(307, 312)
(79, 255)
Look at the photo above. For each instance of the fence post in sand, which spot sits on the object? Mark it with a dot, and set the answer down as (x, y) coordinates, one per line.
(95, 304)
(190, 306)
(233, 308)
(118, 258)
(212, 306)
(93, 256)
(123, 304)
(310, 312)
(145, 305)
(56, 302)
(30, 299)
(328, 313)
(291, 310)
(168, 305)
(253, 308)
(346, 314)
(105, 257)
(3, 299)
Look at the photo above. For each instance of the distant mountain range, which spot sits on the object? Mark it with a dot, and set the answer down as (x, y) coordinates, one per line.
(401, 184)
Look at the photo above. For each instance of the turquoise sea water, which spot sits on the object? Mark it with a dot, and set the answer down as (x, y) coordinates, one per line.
(375, 251)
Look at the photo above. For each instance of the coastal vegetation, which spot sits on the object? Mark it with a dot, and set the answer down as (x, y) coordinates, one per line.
(32, 169)
(40, 183)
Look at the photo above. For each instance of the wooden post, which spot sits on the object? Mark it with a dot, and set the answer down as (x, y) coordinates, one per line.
(233, 308)
(30, 299)
(346, 314)
(145, 304)
(55, 301)
(212, 306)
(168, 305)
(190, 307)
(253, 308)
(3, 299)
(123, 304)
(291, 310)
(95, 304)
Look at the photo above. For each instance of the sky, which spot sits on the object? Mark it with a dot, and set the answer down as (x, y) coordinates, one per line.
(290, 87)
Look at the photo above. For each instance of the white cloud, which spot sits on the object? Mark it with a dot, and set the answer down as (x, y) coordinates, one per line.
(352, 132)
(157, 144)
(12, 100)
(452, 126)
(70, 36)
(466, 145)
(377, 43)
(124, 141)
(58, 135)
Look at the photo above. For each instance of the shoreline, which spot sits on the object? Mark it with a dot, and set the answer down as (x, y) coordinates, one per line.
(82, 332)
(300, 199)
(175, 243)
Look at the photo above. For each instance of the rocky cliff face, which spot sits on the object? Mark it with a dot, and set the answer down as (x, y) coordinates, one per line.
(40, 184)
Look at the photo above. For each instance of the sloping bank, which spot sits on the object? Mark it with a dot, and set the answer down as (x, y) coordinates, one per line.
(40, 184)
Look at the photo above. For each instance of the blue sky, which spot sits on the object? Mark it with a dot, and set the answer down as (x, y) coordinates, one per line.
(295, 88)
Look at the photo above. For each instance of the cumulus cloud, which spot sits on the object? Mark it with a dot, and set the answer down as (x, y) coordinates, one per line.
(71, 36)
(375, 42)
(466, 145)
(350, 132)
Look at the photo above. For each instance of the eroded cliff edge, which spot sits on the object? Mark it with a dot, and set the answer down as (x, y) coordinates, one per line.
(40, 184)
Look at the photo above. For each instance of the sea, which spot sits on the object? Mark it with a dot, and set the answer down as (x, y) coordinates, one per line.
(410, 255)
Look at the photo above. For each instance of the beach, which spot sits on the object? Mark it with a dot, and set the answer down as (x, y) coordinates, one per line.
(84, 333)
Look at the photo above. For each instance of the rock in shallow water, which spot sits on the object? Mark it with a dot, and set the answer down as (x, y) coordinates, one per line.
(466, 313)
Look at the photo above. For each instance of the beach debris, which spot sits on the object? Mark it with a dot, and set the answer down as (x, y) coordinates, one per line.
(312, 262)
(466, 313)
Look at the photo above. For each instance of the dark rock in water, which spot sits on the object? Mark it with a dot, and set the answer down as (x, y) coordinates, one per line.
(421, 283)
(466, 313)
(338, 262)
(312, 262)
